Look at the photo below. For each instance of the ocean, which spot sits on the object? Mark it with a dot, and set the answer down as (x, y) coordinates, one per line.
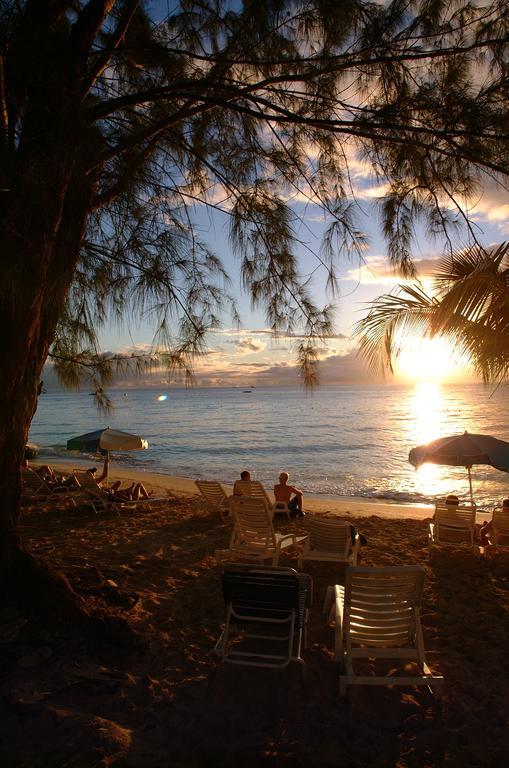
(339, 441)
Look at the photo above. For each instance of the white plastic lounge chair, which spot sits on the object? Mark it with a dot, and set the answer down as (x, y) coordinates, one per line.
(500, 527)
(329, 540)
(266, 615)
(376, 616)
(281, 508)
(214, 495)
(253, 534)
(34, 488)
(452, 526)
(256, 489)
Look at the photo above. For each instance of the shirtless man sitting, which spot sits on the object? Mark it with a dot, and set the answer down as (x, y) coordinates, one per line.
(283, 492)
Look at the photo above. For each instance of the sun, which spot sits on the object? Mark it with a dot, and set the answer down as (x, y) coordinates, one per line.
(427, 359)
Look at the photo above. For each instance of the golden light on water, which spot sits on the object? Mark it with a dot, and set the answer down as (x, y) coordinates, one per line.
(427, 406)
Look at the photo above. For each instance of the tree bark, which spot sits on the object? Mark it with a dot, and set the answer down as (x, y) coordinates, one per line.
(43, 213)
(35, 283)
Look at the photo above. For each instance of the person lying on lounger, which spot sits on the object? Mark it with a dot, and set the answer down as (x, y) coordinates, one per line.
(47, 474)
(135, 492)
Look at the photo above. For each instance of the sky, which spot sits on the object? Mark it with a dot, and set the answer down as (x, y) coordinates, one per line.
(250, 356)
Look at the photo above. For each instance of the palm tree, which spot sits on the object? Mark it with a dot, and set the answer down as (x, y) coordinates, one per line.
(469, 306)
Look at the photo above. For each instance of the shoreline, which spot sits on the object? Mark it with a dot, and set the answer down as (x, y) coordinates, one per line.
(349, 506)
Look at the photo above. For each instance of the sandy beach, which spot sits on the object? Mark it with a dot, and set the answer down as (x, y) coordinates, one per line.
(168, 701)
(336, 505)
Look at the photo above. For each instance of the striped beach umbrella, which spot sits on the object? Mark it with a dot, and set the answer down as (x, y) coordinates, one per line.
(106, 440)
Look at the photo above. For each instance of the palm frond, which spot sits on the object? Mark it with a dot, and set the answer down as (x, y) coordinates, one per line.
(470, 309)
(391, 318)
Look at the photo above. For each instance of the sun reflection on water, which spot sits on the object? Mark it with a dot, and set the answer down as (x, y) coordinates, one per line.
(428, 408)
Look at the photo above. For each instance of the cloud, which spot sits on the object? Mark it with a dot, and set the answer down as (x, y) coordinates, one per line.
(213, 372)
(377, 270)
(344, 368)
(335, 369)
(254, 332)
(249, 345)
(371, 191)
(134, 350)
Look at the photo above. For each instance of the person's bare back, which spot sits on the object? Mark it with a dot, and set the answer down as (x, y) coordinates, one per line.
(284, 492)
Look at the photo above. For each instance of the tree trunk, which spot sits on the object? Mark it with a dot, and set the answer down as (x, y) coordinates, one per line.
(41, 248)
(48, 151)
(28, 319)
(43, 213)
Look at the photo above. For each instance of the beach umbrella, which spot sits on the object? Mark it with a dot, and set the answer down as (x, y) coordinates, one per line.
(463, 451)
(107, 440)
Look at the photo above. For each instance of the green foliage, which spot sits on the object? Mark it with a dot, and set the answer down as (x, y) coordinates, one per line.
(241, 106)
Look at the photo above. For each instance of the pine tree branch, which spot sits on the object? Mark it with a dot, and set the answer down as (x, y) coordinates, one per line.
(117, 38)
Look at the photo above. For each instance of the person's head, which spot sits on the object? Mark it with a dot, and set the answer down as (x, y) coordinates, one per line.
(505, 503)
(452, 500)
(92, 471)
(283, 478)
(245, 475)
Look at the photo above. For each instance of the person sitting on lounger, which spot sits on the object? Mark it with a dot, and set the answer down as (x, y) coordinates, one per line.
(283, 492)
(93, 470)
(133, 492)
(451, 501)
(485, 531)
(244, 477)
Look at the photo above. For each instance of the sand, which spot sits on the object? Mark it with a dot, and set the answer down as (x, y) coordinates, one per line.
(319, 504)
(170, 702)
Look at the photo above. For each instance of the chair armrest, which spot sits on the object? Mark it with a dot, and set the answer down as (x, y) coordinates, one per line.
(356, 546)
(305, 577)
(339, 604)
(284, 537)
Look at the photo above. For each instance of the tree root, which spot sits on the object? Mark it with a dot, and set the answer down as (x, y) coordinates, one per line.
(46, 597)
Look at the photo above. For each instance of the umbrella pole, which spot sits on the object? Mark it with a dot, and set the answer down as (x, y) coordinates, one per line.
(470, 484)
